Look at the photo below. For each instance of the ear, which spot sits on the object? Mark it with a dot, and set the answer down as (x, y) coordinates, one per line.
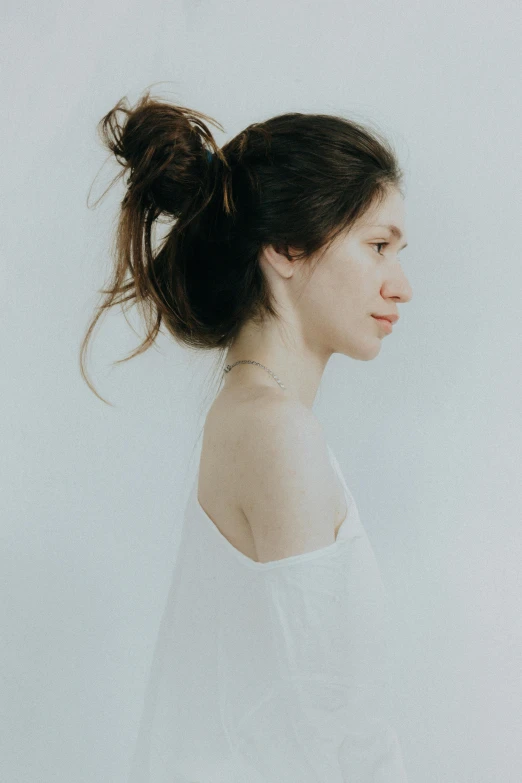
(283, 250)
(280, 258)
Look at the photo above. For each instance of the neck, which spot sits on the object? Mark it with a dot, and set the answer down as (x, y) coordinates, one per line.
(297, 365)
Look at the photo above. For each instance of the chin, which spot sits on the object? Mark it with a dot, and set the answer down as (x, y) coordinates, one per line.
(364, 353)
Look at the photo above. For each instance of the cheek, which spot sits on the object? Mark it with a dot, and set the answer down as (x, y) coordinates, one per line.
(340, 291)
(353, 290)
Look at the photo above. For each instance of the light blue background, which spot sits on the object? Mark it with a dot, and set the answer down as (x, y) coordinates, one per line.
(428, 434)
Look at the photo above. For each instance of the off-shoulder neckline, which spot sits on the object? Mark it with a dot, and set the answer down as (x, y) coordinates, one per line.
(340, 539)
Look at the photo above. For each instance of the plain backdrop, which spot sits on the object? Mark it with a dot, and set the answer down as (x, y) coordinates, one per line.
(428, 434)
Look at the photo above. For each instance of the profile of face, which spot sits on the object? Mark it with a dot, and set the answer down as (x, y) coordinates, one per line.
(358, 277)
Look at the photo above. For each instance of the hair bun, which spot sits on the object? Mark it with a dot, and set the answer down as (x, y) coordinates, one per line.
(162, 146)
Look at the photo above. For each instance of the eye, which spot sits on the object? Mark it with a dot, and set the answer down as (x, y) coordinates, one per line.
(380, 244)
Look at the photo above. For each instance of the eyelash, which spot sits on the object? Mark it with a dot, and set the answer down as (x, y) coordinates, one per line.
(385, 244)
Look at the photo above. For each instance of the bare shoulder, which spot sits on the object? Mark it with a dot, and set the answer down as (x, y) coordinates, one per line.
(287, 489)
(272, 418)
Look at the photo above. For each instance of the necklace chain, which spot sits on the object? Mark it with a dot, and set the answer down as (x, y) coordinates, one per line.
(251, 361)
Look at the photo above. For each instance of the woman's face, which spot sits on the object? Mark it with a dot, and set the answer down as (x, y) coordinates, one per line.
(359, 276)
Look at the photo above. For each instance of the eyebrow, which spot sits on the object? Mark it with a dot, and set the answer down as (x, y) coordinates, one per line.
(397, 233)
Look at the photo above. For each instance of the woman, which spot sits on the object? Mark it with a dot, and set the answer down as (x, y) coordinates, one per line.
(283, 247)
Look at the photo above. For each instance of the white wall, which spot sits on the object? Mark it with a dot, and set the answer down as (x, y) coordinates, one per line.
(428, 434)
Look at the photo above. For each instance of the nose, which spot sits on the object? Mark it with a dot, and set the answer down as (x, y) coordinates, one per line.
(398, 287)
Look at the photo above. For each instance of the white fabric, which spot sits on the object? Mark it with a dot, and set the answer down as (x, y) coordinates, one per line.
(270, 672)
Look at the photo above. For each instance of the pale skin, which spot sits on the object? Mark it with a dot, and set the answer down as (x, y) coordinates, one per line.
(265, 476)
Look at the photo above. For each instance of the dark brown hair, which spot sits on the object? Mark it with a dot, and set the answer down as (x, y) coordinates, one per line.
(292, 181)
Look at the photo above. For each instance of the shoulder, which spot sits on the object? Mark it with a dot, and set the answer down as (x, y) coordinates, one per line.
(272, 418)
(287, 487)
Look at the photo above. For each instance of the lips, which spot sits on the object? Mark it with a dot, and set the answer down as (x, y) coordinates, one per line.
(391, 318)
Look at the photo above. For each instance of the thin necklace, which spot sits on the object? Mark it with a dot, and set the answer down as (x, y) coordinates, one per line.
(250, 361)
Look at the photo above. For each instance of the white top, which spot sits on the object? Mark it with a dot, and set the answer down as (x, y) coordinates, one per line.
(270, 672)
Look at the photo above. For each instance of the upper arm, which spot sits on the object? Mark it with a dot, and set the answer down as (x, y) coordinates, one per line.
(287, 484)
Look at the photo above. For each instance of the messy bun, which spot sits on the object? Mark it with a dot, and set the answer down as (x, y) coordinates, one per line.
(295, 180)
(164, 149)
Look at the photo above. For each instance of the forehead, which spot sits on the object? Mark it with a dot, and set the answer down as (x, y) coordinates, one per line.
(388, 217)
